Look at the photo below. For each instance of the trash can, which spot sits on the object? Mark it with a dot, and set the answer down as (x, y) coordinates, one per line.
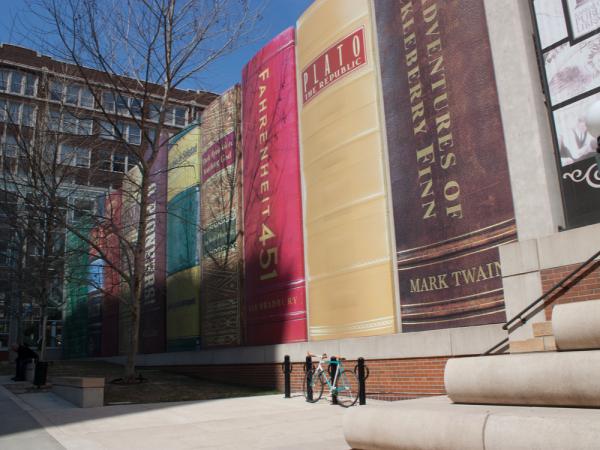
(41, 373)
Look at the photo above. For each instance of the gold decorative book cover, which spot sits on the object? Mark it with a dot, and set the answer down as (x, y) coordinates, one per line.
(347, 222)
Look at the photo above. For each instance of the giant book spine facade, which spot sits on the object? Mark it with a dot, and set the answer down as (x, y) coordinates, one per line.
(221, 259)
(183, 258)
(75, 334)
(130, 216)
(112, 280)
(153, 310)
(273, 239)
(451, 194)
(348, 226)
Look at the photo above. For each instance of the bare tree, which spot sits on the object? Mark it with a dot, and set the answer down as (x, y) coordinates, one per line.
(160, 45)
(39, 174)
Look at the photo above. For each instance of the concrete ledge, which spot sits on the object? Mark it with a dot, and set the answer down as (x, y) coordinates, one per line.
(544, 379)
(568, 247)
(576, 326)
(414, 425)
(436, 424)
(449, 342)
(81, 391)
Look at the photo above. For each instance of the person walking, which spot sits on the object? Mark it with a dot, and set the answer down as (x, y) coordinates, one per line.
(24, 355)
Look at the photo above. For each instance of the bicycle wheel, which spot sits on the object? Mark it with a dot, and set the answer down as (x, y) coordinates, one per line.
(315, 381)
(346, 388)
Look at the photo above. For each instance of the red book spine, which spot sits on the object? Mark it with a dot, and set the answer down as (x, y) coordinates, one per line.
(273, 237)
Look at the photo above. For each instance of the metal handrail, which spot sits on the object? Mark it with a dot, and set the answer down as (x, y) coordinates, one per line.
(561, 284)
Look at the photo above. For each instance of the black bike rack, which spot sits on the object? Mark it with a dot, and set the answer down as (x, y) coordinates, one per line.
(362, 376)
(308, 367)
(287, 371)
(332, 370)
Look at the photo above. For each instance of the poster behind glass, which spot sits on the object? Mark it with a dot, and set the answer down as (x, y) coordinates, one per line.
(569, 41)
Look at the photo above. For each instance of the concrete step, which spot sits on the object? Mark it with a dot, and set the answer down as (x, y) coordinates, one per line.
(535, 379)
(576, 326)
(541, 329)
(536, 344)
(436, 424)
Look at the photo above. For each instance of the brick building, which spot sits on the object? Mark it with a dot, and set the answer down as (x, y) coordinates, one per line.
(44, 99)
(443, 189)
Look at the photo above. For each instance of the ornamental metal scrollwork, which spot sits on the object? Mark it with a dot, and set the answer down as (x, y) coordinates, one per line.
(591, 176)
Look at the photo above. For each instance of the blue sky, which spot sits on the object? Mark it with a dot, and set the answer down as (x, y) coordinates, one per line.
(277, 15)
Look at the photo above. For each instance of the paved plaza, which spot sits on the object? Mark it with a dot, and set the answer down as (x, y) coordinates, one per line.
(44, 421)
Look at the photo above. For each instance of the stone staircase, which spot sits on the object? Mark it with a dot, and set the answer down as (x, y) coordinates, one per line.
(543, 340)
(545, 394)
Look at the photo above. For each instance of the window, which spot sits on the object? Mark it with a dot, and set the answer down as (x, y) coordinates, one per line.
(27, 115)
(116, 162)
(68, 123)
(82, 208)
(54, 120)
(50, 154)
(136, 107)
(174, 115)
(56, 91)
(119, 163)
(122, 104)
(3, 79)
(71, 94)
(30, 81)
(128, 132)
(106, 130)
(18, 82)
(108, 101)
(17, 113)
(134, 135)
(10, 146)
(96, 276)
(180, 114)
(14, 110)
(169, 116)
(5, 254)
(85, 127)
(87, 98)
(74, 156)
(132, 161)
(154, 111)
(72, 97)
(104, 160)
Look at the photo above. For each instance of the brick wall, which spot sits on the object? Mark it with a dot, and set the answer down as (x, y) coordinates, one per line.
(585, 286)
(389, 379)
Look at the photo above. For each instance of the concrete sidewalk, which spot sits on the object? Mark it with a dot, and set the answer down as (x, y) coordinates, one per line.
(262, 422)
(18, 429)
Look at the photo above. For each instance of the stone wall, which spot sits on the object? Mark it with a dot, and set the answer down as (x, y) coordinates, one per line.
(585, 286)
(389, 379)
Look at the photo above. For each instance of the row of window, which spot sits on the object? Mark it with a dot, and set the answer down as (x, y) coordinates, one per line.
(71, 94)
(75, 156)
(23, 83)
(77, 95)
(17, 82)
(17, 113)
(128, 132)
(68, 123)
(24, 114)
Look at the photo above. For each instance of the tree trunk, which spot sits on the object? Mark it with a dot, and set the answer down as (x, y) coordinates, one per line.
(139, 267)
(134, 328)
(44, 325)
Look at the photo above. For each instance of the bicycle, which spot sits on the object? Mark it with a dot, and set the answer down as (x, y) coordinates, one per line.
(344, 384)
